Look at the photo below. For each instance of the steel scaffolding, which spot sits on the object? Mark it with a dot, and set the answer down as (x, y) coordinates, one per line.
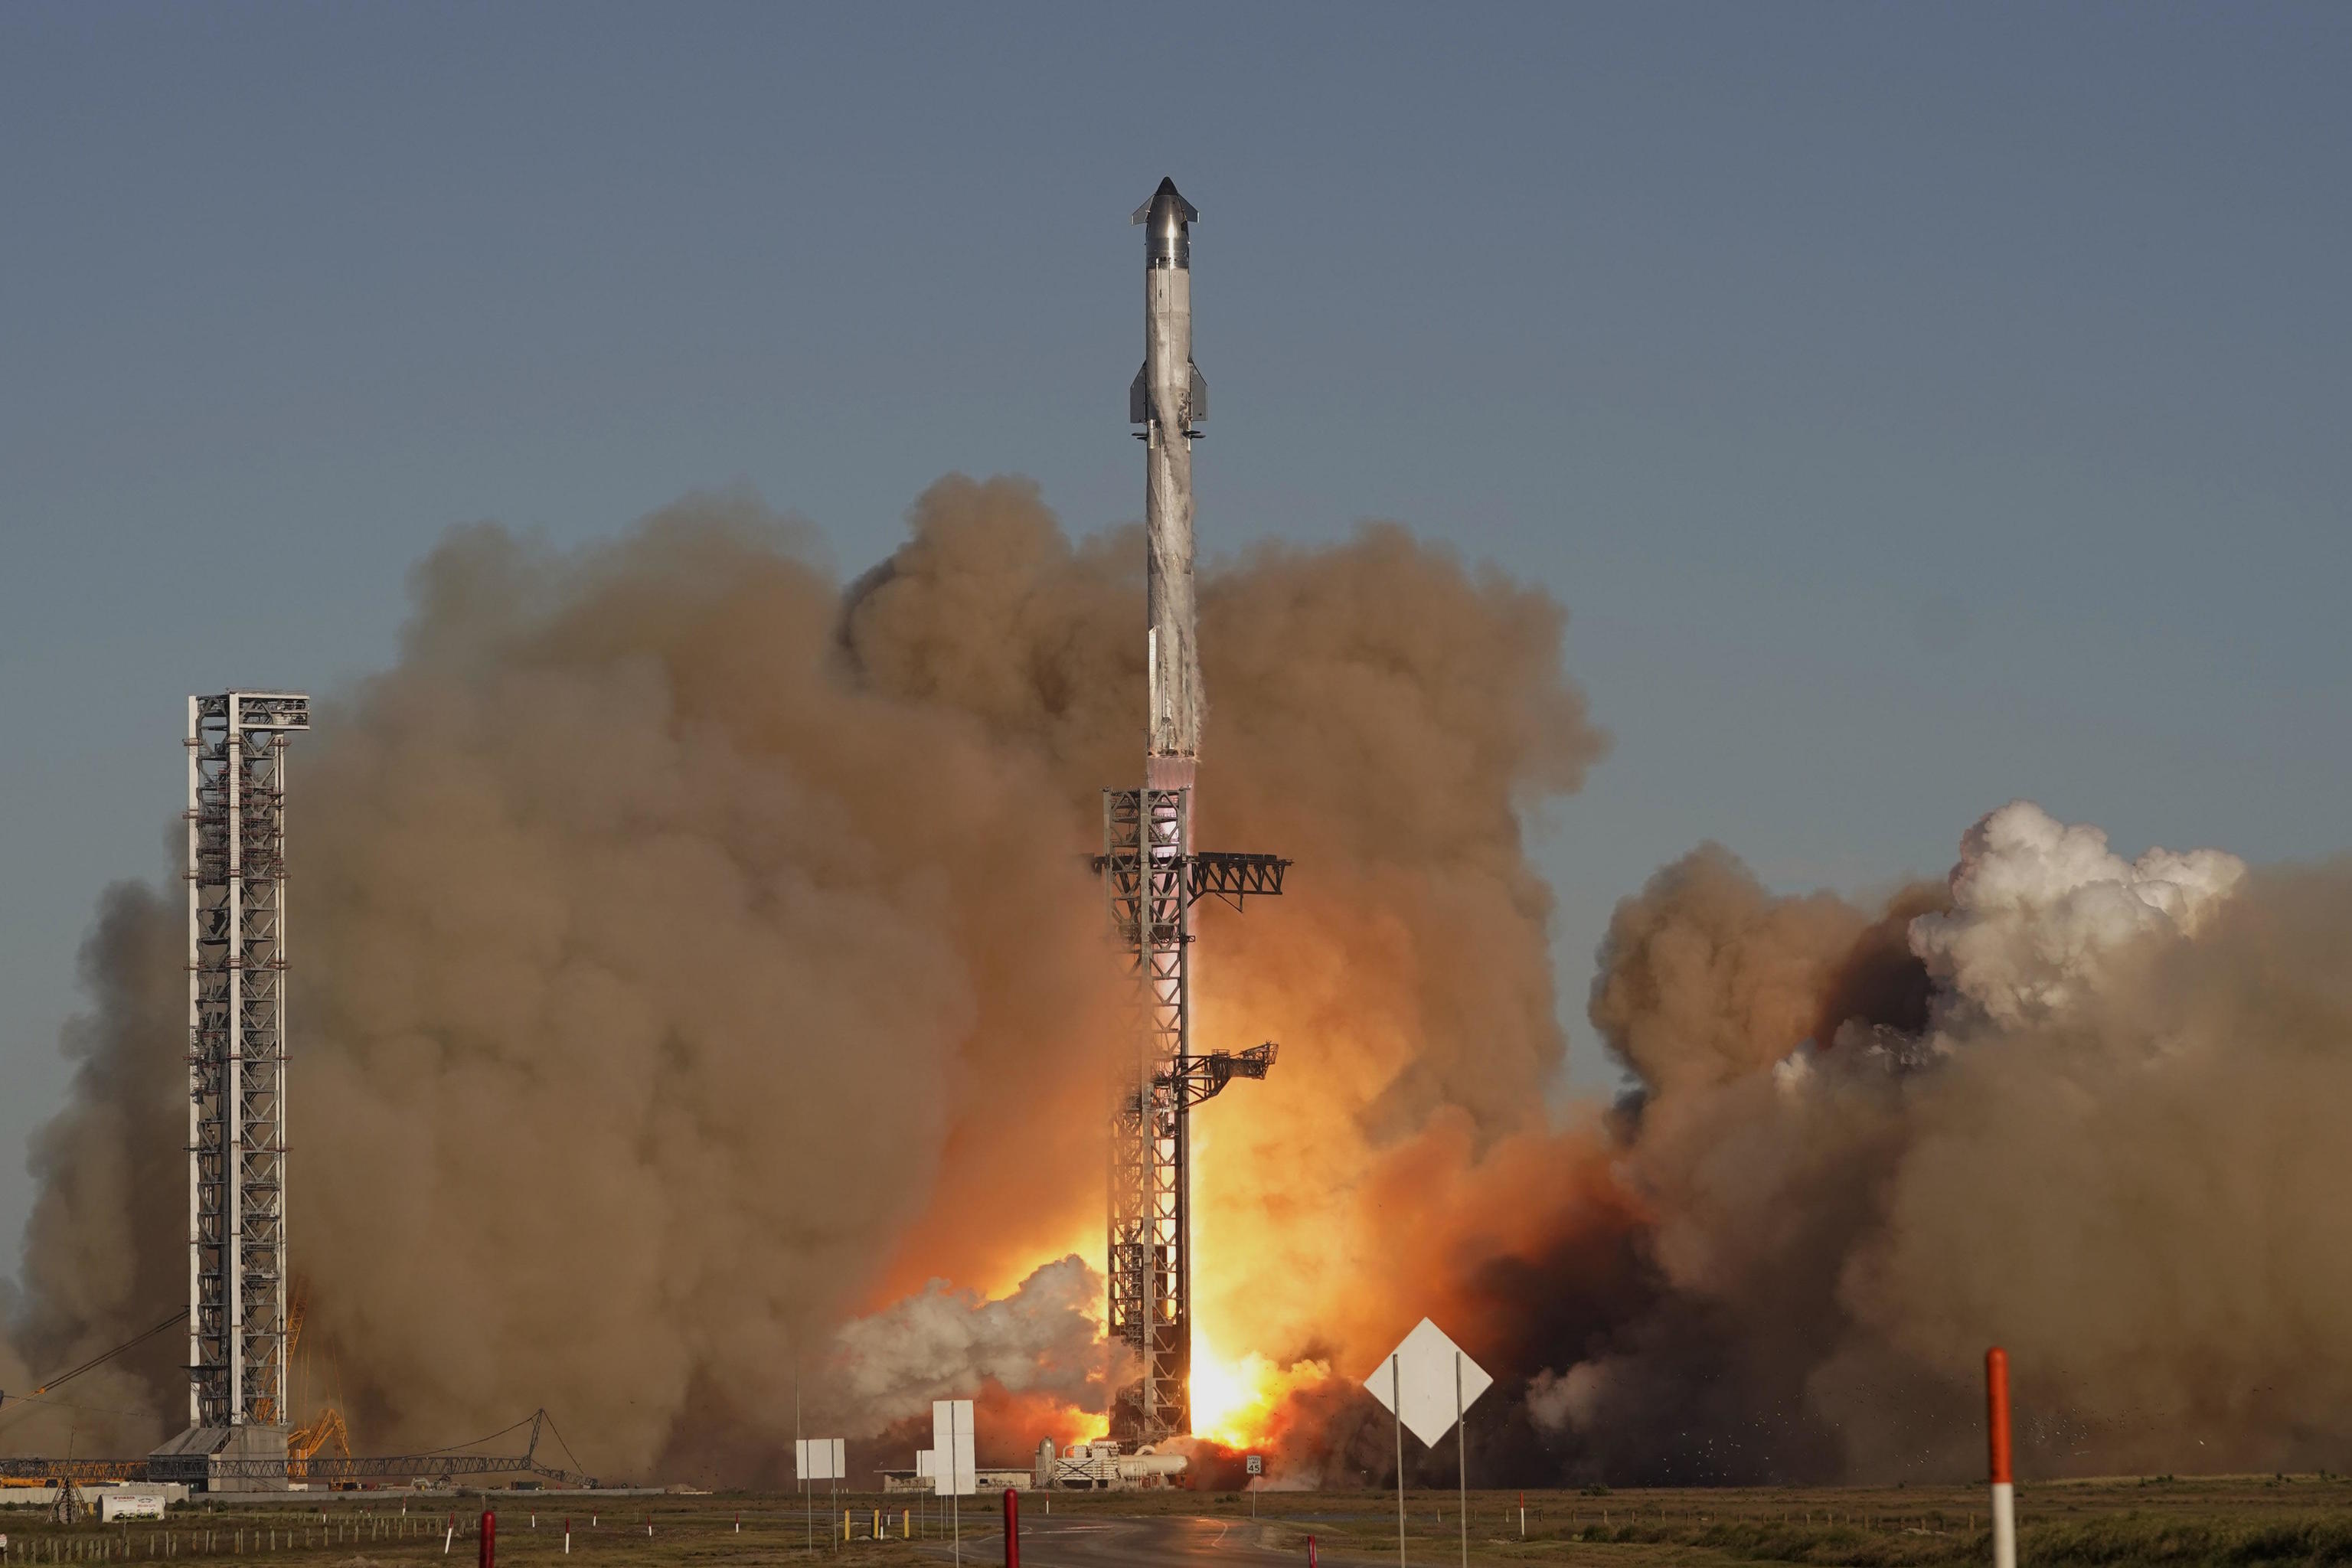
(1151, 876)
(1145, 835)
(237, 1055)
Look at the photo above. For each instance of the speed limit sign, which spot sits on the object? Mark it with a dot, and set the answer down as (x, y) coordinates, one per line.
(1256, 1464)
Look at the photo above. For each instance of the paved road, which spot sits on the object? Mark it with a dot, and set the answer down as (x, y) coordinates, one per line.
(1126, 1543)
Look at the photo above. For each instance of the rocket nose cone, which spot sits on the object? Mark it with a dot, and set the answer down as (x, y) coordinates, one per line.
(1173, 199)
(1167, 207)
(1168, 241)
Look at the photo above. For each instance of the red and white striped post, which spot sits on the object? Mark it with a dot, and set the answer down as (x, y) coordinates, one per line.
(2004, 1493)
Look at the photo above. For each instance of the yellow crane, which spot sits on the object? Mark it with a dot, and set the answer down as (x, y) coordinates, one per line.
(305, 1442)
(41, 1473)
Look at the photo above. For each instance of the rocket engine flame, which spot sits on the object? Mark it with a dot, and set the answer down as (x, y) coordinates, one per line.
(751, 912)
(636, 880)
(1236, 1401)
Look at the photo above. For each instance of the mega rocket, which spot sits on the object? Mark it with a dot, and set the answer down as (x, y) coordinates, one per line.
(1152, 872)
(1170, 399)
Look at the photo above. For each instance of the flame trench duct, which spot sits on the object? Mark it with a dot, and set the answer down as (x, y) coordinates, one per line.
(1154, 876)
(237, 1326)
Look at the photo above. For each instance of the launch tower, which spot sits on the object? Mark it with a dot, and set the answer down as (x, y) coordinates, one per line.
(1152, 874)
(236, 1086)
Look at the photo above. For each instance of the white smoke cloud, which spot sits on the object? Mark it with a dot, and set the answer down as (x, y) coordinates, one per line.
(1567, 1401)
(941, 1341)
(2077, 1105)
(2039, 906)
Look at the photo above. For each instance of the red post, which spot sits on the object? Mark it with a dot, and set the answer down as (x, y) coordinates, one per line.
(1996, 1412)
(1310, 1552)
(1011, 1529)
(490, 1556)
(2004, 1494)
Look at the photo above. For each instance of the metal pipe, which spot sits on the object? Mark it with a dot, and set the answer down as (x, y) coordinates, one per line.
(196, 1090)
(280, 1393)
(1461, 1458)
(233, 1081)
(1396, 1403)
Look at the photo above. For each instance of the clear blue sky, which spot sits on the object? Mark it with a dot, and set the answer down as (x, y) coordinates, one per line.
(1917, 405)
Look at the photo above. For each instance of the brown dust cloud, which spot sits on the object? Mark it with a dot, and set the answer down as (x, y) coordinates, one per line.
(702, 1007)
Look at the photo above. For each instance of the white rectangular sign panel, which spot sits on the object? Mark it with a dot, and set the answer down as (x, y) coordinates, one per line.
(820, 1460)
(926, 1464)
(1428, 1381)
(113, 1505)
(954, 1470)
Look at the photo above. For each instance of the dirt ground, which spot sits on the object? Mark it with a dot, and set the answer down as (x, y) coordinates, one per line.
(2226, 1520)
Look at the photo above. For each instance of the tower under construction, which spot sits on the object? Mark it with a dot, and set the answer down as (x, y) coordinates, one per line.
(1153, 875)
(236, 873)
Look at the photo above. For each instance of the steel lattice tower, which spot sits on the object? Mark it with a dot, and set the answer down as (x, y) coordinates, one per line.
(236, 1055)
(1152, 876)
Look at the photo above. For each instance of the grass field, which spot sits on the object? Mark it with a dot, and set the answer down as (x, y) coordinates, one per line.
(2244, 1520)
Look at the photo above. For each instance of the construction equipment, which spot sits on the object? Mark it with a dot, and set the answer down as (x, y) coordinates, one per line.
(305, 1442)
(64, 1474)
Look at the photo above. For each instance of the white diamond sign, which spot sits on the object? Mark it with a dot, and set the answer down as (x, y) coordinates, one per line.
(1418, 1381)
(820, 1460)
(952, 1471)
